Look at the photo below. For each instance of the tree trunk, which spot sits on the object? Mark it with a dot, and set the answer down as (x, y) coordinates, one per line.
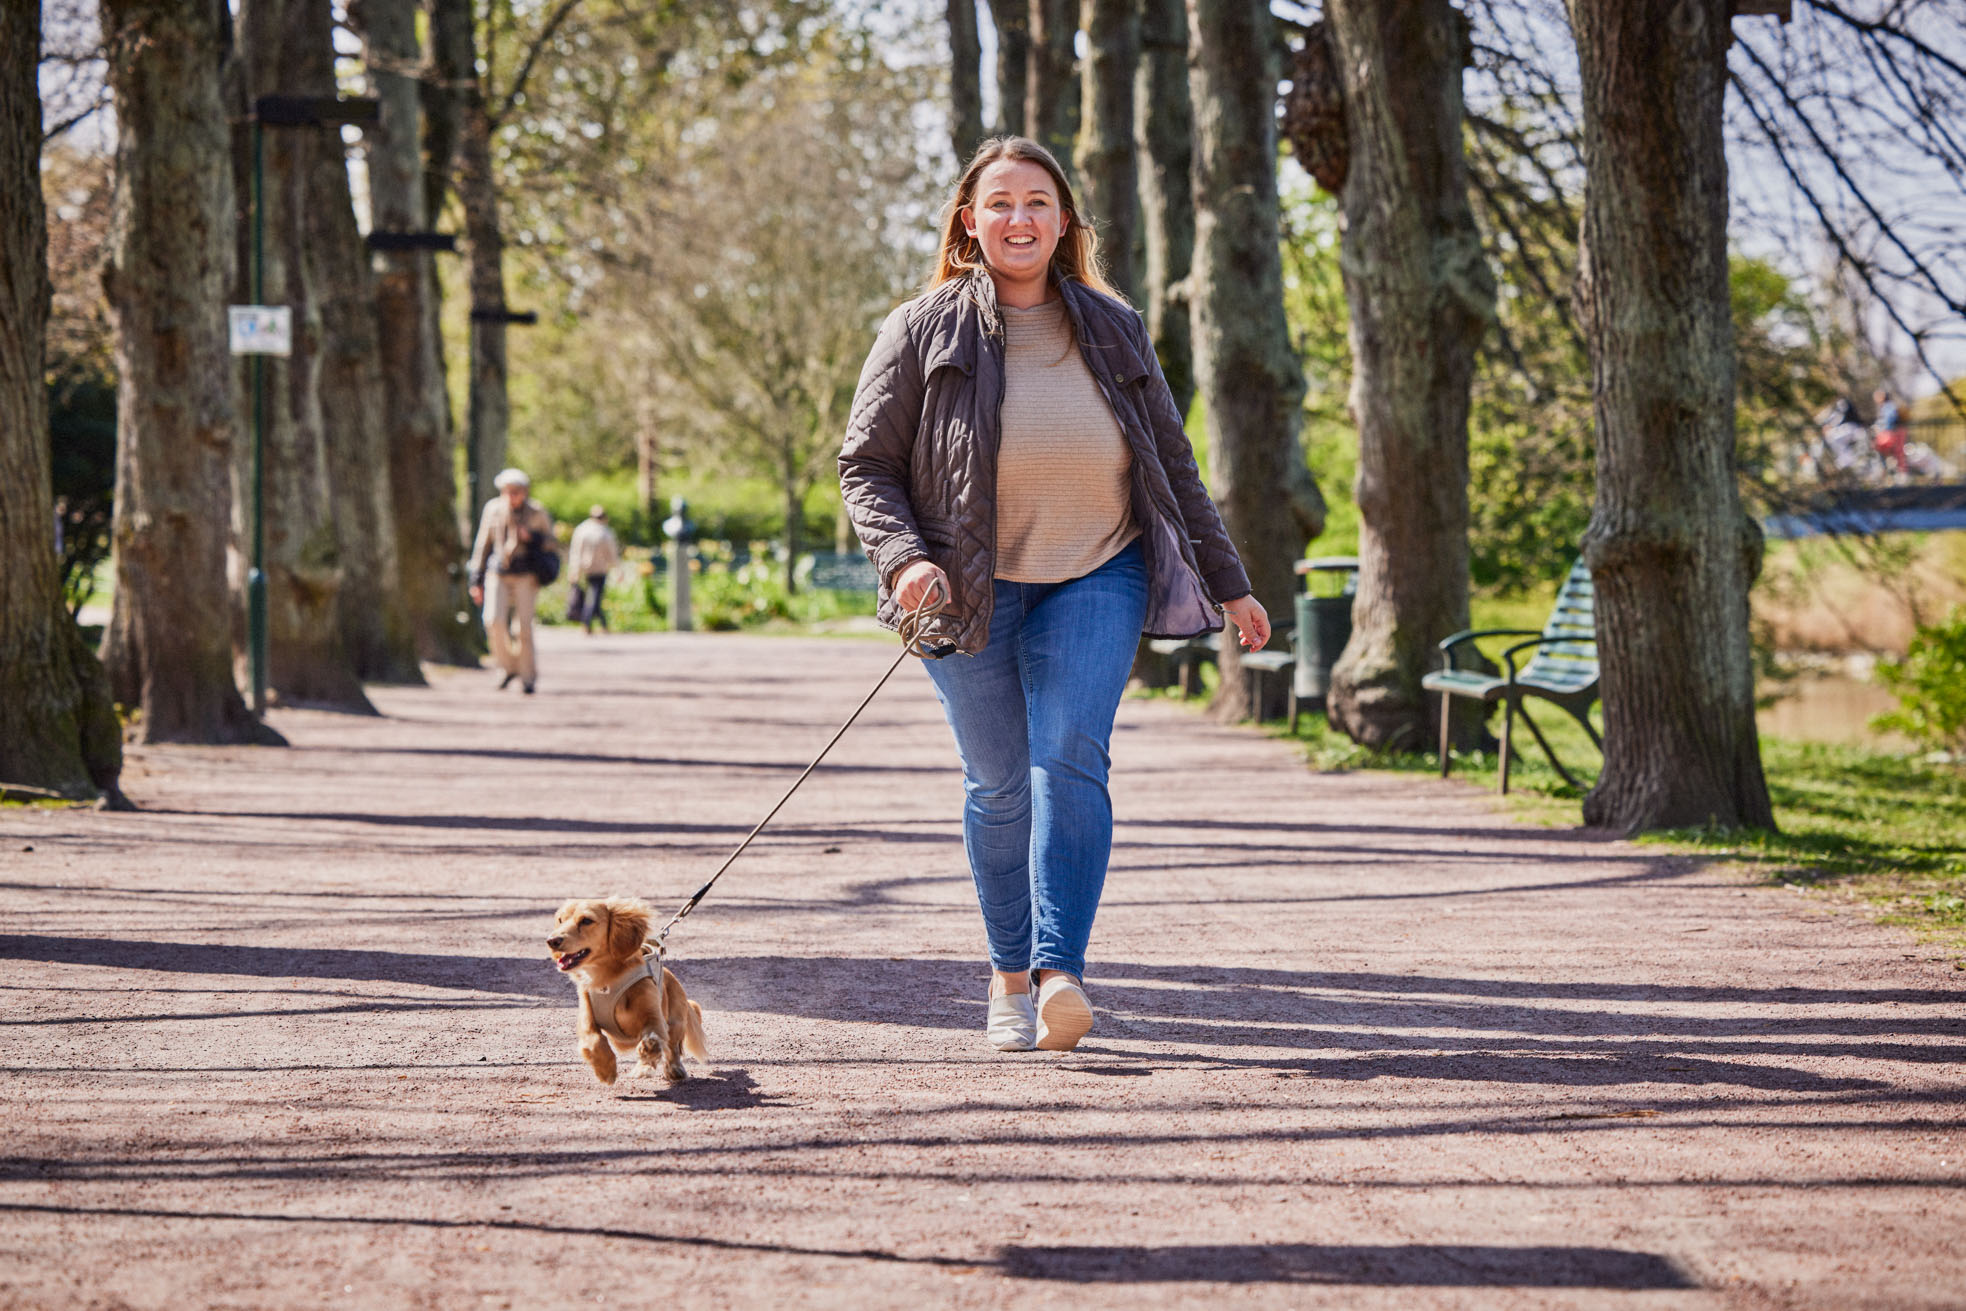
(1051, 94)
(1670, 551)
(1108, 165)
(1421, 296)
(1013, 22)
(965, 80)
(1250, 379)
(1164, 127)
(170, 642)
(284, 46)
(488, 410)
(58, 730)
(422, 481)
(794, 522)
(356, 414)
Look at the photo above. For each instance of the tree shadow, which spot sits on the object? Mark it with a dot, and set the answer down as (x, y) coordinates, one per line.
(1411, 1265)
(1414, 1265)
(513, 975)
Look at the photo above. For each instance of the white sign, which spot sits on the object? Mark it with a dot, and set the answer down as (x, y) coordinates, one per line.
(261, 329)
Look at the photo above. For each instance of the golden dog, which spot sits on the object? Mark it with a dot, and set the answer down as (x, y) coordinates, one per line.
(600, 945)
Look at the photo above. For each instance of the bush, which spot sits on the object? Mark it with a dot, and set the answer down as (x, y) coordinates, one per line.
(1930, 684)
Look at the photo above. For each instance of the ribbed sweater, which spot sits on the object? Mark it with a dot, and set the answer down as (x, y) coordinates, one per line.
(1064, 505)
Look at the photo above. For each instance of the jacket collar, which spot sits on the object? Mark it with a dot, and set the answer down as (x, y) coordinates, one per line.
(964, 311)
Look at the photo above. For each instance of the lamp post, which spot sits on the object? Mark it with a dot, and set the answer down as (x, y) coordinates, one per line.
(276, 111)
(682, 531)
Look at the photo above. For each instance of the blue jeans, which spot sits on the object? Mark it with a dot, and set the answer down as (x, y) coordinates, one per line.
(1033, 717)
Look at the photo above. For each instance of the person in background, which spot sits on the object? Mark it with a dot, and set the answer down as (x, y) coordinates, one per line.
(1890, 431)
(513, 532)
(591, 554)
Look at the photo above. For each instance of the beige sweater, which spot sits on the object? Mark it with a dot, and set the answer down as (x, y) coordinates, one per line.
(1063, 468)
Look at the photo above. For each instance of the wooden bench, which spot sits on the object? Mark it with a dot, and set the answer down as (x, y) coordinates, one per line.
(1562, 670)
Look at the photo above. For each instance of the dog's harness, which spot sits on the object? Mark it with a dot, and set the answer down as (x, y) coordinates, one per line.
(603, 1001)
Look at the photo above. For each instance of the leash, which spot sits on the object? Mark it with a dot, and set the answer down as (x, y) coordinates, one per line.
(910, 629)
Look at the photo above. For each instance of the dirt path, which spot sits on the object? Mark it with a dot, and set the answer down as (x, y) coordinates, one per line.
(289, 1037)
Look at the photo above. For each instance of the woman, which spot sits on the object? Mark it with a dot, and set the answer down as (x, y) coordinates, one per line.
(1014, 445)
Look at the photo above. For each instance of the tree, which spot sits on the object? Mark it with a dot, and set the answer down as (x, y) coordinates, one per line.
(421, 445)
(1051, 92)
(1013, 23)
(169, 647)
(1421, 297)
(58, 729)
(285, 49)
(356, 414)
(965, 89)
(1250, 379)
(756, 306)
(1669, 548)
(1108, 164)
(1164, 128)
(488, 410)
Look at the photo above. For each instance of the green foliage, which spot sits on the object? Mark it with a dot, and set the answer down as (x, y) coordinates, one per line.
(82, 444)
(1930, 684)
(569, 500)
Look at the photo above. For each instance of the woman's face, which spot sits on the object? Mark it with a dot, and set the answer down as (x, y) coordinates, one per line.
(1017, 220)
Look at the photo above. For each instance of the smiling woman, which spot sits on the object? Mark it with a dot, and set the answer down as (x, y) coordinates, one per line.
(1014, 452)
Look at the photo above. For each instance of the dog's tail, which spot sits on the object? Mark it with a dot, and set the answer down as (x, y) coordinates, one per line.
(693, 1034)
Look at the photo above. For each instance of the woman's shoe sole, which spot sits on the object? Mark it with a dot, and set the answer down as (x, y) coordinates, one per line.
(1064, 1017)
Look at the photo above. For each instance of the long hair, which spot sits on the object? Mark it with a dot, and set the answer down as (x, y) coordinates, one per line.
(1077, 255)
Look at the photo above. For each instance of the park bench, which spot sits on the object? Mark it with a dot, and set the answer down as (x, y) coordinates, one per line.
(1562, 669)
(846, 571)
(1190, 653)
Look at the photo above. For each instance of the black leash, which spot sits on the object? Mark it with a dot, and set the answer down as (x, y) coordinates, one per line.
(910, 628)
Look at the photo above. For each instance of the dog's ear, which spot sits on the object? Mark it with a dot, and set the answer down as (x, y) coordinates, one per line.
(628, 926)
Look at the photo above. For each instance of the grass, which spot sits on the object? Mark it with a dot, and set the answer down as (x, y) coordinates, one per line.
(1865, 827)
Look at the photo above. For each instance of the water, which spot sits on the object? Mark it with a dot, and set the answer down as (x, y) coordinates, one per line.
(1832, 706)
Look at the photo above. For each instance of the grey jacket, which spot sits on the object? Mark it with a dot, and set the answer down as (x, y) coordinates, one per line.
(919, 465)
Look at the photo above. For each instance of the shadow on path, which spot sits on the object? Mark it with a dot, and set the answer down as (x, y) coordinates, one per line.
(1425, 1265)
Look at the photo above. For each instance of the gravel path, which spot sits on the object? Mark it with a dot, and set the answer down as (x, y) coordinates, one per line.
(289, 1036)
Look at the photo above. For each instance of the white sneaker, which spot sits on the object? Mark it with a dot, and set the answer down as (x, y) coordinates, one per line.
(1064, 1013)
(1013, 1022)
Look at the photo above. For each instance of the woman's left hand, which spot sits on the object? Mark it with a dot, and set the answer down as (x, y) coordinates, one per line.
(1251, 621)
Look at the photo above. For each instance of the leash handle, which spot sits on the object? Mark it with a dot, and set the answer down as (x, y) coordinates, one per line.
(931, 603)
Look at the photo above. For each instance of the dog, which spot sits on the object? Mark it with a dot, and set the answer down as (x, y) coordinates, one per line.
(602, 947)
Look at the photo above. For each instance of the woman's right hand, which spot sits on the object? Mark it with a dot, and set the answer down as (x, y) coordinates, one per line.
(915, 581)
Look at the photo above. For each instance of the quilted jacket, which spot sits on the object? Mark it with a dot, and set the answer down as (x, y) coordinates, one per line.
(919, 465)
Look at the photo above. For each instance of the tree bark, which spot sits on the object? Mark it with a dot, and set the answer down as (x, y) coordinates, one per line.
(965, 80)
(1250, 377)
(1109, 168)
(1164, 128)
(284, 44)
(1013, 21)
(1051, 93)
(169, 647)
(488, 417)
(356, 414)
(58, 730)
(1421, 296)
(422, 480)
(1670, 550)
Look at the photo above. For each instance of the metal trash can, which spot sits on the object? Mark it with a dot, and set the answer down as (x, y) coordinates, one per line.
(1324, 622)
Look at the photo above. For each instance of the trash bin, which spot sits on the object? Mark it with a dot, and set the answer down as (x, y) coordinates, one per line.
(1324, 621)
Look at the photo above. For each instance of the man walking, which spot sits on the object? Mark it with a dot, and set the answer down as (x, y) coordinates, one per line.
(594, 551)
(515, 547)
